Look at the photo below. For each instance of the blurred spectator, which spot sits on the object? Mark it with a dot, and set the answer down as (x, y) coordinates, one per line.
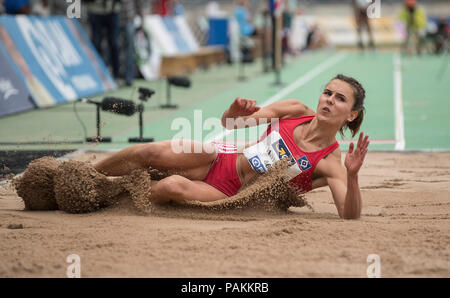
(415, 20)
(362, 22)
(213, 10)
(316, 38)
(290, 7)
(243, 18)
(441, 37)
(17, 6)
(56, 7)
(161, 7)
(130, 9)
(246, 30)
(307, 34)
(104, 15)
(177, 8)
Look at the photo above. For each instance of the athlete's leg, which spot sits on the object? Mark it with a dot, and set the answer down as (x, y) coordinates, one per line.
(359, 33)
(180, 189)
(370, 33)
(161, 155)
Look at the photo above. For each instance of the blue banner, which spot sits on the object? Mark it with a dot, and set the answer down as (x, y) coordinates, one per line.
(14, 96)
(56, 55)
(176, 34)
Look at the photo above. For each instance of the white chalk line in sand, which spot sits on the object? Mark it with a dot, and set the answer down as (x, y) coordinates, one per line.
(293, 86)
(398, 102)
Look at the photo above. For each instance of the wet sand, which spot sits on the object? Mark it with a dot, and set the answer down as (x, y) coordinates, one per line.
(405, 220)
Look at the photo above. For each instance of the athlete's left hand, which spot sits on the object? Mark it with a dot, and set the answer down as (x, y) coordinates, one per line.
(355, 157)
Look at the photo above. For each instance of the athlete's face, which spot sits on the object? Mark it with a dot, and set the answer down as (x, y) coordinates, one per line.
(336, 103)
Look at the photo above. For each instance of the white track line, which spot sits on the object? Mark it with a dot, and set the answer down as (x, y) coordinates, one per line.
(398, 101)
(293, 86)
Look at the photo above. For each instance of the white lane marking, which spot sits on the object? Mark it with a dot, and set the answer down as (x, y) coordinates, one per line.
(398, 101)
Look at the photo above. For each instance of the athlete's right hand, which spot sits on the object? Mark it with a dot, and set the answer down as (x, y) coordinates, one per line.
(243, 107)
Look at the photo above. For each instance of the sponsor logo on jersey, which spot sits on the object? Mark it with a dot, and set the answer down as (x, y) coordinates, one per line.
(304, 163)
(283, 151)
(257, 164)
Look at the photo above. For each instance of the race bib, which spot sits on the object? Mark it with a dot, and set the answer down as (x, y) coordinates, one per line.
(268, 151)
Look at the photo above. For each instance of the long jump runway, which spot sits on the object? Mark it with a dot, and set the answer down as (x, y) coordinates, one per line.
(406, 98)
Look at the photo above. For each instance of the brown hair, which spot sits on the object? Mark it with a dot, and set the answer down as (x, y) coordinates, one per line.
(358, 94)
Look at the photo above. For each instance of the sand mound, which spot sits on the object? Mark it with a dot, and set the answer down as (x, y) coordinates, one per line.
(79, 188)
(138, 184)
(35, 186)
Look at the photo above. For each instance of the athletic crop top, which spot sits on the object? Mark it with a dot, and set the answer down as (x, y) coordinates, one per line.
(277, 143)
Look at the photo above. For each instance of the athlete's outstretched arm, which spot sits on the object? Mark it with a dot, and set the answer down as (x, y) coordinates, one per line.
(343, 182)
(250, 114)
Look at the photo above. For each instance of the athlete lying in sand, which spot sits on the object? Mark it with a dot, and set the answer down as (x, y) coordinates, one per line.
(305, 138)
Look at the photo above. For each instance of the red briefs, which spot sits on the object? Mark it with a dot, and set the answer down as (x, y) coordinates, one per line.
(223, 175)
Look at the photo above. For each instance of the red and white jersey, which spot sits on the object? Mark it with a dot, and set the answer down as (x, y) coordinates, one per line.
(278, 143)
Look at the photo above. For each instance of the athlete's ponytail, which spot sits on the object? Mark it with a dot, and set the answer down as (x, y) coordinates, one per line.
(359, 94)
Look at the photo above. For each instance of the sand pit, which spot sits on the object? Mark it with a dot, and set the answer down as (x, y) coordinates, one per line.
(405, 220)
(35, 187)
